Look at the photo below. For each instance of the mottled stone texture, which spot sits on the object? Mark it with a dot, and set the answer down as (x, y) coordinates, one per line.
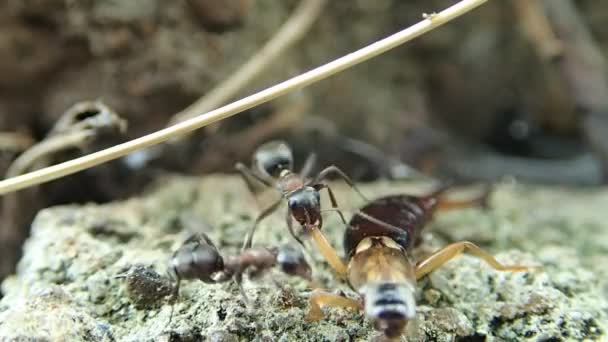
(91, 273)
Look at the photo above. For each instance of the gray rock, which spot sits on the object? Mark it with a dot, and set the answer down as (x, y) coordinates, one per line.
(97, 273)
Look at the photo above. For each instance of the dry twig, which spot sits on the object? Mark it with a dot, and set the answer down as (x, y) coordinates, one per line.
(292, 31)
(536, 26)
(15, 141)
(79, 127)
(75, 129)
(303, 80)
(584, 70)
(225, 150)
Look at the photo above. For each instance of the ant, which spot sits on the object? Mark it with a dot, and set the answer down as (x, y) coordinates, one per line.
(272, 166)
(199, 258)
(378, 244)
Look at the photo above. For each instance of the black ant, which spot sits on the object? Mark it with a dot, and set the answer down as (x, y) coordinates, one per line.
(199, 258)
(272, 166)
(378, 244)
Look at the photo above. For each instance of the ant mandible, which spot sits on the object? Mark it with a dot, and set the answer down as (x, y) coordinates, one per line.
(272, 166)
(378, 244)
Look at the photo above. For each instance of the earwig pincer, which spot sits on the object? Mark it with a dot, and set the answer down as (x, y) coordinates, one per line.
(272, 166)
(378, 244)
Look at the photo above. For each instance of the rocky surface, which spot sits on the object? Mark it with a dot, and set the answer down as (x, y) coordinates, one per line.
(96, 273)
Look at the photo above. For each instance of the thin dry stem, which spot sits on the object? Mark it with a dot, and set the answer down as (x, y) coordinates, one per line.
(292, 31)
(536, 26)
(15, 141)
(240, 145)
(47, 147)
(301, 81)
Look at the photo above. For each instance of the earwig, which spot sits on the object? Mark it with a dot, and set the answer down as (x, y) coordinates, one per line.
(199, 258)
(272, 166)
(378, 244)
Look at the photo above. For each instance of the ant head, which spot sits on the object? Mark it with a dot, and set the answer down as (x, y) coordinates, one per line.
(197, 258)
(292, 262)
(305, 205)
(272, 158)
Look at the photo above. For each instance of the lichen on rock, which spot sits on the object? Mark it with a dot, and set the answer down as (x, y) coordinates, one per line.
(98, 273)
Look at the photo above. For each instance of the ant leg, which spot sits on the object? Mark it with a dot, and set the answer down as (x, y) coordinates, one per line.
(480, 200)
(252, 179)
(396, 230)
(332, 198)
(372, 219)
(334, 169)
(310, 162)
(173, 298)
(440, 257)
(238, 279)
(328, 252)
(263, 215)
(320, 298)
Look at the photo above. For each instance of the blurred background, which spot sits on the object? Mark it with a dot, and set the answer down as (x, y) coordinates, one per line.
(517, 88)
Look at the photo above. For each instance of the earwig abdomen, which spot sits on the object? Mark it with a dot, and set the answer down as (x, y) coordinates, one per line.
(383, 274)
(407, 213)
(389, 305)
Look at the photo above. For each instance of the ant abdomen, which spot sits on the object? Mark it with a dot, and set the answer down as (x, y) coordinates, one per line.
(198, 258)
(273, 157)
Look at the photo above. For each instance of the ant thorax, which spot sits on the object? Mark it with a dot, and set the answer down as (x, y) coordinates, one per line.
(289, 182)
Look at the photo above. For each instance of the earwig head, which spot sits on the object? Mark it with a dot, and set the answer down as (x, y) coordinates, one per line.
(389, 306)
(273, 157)
(197, 258)
(305, 206)
(291, 261)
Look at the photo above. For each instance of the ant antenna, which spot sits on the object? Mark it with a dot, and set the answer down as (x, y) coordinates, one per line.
(337, 209)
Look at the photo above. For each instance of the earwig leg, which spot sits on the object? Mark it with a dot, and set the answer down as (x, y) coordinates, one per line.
(249, 238)
(309, 164)
(440, 257)
(334, 169)
(320, 298)
(477, 201)
(332, 199)
(328, 252)
(252, 180)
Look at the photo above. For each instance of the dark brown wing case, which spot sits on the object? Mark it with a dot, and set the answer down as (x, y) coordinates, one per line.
(407, 214)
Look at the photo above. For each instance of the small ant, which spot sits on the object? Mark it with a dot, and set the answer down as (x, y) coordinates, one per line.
(199, 258)
(272, 166)
(378, 244)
